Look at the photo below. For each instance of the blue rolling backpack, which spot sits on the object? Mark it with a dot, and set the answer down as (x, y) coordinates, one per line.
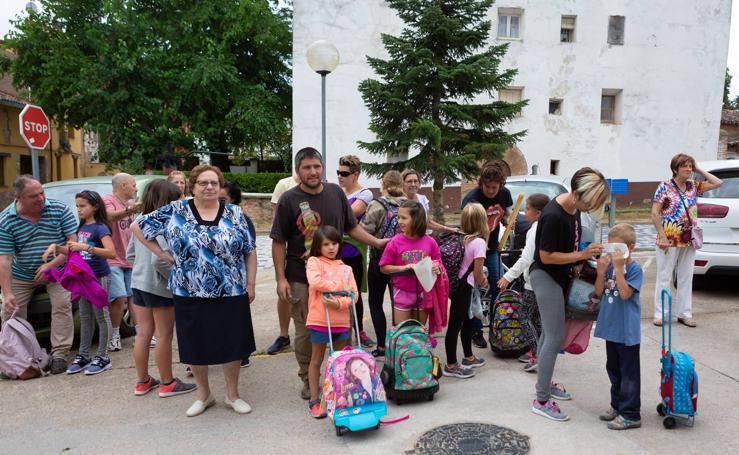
(679, 381)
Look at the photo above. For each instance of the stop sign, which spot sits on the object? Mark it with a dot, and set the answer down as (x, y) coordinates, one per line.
(35, 127)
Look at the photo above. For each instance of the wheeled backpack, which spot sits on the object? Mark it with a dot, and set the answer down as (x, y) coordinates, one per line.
(411, 369)
(353, 395)
(507, 325)
(679, 381)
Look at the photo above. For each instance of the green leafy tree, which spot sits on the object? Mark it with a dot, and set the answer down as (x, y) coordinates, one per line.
(152, 75)
(728, 104)
(424, 102)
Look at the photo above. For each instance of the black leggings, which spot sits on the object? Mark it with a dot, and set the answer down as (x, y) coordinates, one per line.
(356, 264)
(459, 324)
(376, 284)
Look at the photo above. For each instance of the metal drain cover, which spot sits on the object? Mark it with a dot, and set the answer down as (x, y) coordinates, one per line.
(471, 439)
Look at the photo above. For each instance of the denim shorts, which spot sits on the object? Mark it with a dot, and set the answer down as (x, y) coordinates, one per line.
(119, 283)
(317, 336)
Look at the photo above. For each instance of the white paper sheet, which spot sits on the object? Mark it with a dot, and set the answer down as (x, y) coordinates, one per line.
(423, 272)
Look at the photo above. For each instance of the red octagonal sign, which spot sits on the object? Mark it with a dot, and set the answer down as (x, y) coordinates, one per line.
(35, 127)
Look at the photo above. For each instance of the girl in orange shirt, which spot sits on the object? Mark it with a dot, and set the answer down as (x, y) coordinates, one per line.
(326, 274)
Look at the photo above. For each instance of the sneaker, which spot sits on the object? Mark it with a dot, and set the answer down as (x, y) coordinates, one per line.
(305, 391)
(58, 365)
(558, 391)
(457, 371)
(365, 340)
(174, 388)
(280, 344)
(379, 354)
(245, 363)
(550, 410)
(622, 423)
(478, 339)
(609, 415)
(477, 363)
(188, 372)
(114, 344)
(98, 365)
(153, 342)
(142, 388)
(526, 357)
(657, 322)
(314, 408)
(78, 364)
(531, 365)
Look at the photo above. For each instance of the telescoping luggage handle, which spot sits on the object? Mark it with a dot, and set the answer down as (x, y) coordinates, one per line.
(351, 310)
(418, 291)
(665, 292)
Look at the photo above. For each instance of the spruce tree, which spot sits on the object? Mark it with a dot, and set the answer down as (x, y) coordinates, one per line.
(424, 102)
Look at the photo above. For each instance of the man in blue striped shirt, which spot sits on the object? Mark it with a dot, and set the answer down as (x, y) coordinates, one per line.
(27, 227)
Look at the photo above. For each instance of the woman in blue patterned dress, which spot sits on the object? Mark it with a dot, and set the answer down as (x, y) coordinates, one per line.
(212, 282)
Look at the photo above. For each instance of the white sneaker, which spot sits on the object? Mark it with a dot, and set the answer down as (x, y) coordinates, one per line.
(115, 343)
(153, 342)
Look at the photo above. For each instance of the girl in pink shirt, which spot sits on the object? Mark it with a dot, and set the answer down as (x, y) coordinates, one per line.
(475, 228)
(326, 275)
(401, 253)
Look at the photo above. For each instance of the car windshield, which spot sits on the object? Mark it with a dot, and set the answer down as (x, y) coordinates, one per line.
(551, 189)
(66, 193)
(729, 189)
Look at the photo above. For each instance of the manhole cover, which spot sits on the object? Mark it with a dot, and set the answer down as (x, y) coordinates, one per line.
(471, 439)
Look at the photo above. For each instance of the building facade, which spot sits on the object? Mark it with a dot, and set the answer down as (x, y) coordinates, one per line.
(618, 85)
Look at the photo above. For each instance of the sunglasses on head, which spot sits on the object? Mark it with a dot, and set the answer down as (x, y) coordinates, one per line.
(343, 173)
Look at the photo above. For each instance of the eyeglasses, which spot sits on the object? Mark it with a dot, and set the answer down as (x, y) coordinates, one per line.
(344, 173)
(205, 184)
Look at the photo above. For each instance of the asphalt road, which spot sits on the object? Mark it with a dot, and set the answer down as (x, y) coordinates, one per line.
(81, 414)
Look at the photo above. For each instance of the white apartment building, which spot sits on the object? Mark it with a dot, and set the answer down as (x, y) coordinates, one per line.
(619, 85)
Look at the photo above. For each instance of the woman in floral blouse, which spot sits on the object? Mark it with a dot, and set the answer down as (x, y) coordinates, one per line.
(674, 212)
(212, 282)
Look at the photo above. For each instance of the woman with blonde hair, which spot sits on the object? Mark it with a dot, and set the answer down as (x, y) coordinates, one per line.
(558, 236)
(475, 228)
(377, 223)
(179, 179)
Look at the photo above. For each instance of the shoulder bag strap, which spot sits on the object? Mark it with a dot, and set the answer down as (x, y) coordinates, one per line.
(687, 209)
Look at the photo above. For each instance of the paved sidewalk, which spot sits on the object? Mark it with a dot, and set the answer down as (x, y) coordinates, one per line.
(78, 414)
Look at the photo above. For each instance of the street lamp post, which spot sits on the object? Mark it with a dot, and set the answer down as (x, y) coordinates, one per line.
(323, 57)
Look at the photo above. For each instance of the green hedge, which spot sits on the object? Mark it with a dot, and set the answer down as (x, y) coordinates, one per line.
(256, 183)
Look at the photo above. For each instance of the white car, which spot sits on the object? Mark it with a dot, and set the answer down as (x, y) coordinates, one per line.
(552, 186)
(718, 215)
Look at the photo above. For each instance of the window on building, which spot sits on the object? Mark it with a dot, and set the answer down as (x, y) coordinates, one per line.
(616, 30)
(554, 167)
(511, 95)
(567, 30)
(555, 106)
(509, 23)
(610, 106)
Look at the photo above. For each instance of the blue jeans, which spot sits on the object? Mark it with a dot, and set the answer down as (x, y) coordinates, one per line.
(622, 364)
(492, 262)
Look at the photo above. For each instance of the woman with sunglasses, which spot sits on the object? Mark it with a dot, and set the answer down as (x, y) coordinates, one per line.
(353, 253)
